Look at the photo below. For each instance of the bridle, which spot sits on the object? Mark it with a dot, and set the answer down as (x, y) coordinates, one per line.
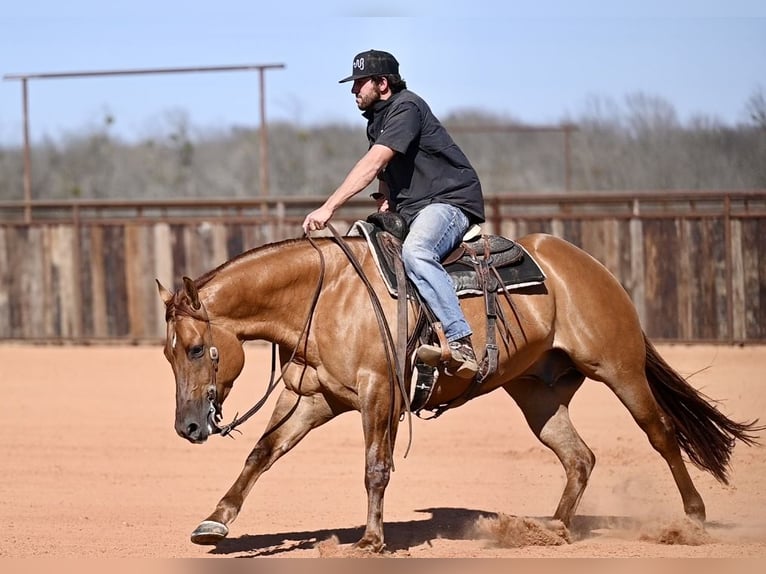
(395, 369)
(199, 312)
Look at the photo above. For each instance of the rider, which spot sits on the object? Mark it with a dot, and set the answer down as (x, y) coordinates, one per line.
(426, 178)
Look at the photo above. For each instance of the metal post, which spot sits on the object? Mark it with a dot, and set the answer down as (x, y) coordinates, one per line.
(567, 159)
(27, 154)
(264, 171)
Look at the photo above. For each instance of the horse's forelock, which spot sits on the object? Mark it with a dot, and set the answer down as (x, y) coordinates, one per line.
(180, 305)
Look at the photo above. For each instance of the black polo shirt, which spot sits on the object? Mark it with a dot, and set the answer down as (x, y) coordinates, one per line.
(428, 166)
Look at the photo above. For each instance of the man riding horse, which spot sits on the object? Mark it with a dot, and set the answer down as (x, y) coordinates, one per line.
(424, 177)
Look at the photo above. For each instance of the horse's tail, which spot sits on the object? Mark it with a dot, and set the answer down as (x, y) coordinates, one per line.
(703, 432)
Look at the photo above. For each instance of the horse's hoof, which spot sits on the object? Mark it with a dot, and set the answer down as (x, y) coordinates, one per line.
(209, 532)
(370, 545)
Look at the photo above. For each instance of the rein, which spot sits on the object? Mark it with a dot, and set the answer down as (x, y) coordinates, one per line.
(226, 430)
(273, 382)
(395, 374)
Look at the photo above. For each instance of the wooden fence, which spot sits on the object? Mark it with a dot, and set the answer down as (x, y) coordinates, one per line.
(693, 262)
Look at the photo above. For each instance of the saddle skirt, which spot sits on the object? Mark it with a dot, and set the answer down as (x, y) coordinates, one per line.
(514, 267)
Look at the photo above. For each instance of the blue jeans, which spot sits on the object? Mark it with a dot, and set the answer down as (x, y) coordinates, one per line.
(435, 231)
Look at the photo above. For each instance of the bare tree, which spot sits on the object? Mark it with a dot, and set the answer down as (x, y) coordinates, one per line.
(756, 107)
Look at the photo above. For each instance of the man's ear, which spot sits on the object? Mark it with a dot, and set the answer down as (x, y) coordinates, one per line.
(383, 85)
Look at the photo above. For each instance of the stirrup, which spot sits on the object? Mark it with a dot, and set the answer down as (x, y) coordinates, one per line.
(434, 356)
(467, 370)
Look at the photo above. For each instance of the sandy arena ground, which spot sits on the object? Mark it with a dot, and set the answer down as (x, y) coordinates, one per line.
(92, 468)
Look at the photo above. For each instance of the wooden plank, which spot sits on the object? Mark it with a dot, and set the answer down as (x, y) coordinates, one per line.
(100, 318)
(612, 246)
(115, 282)
(5, 286)
(669, 278)
(756, 269)
(652, 253)
(637, 271)
(46, 302)
(178, 245)
(708, 276)
(750, 276)
(625, 274)
(86, 282)
(219, 239)
(63, 281)
(203, 249)
(738, 282)
(163, 270)
(761, 251)
(148, 286)
(195, 253)
(661, 259)
(573, 232)
(717, 235)
(234, 241)
(509, 228)
(684, 282)
(698, 291)
(593, 239)
(15, 277)
(35, 305)
(557, 228)
(134, 271)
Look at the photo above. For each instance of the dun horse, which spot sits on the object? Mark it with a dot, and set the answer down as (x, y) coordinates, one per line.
(304, 296)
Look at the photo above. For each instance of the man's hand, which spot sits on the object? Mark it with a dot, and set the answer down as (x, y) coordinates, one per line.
(317, 219)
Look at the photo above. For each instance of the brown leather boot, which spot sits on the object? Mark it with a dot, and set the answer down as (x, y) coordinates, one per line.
(462, 362)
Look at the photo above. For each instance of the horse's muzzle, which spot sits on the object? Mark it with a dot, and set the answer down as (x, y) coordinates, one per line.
(193, 431)
(197, 427)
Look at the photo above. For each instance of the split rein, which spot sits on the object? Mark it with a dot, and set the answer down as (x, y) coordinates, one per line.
(395, 369)
(226, 430)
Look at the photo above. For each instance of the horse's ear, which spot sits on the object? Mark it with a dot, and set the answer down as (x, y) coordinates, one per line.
(165, 295)
(191, 291)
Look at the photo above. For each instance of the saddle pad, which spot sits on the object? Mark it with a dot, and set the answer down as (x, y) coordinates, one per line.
(525, 273)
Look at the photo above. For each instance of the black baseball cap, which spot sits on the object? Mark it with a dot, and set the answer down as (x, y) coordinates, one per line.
(372, 63)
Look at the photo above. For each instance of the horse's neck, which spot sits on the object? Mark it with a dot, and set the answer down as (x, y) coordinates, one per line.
(267, 293)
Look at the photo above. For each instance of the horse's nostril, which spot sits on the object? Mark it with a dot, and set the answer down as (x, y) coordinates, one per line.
(192, 429)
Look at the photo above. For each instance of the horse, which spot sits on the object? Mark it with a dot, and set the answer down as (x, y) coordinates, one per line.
(305, 297)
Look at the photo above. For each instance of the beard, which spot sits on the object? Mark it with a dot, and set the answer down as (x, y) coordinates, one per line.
(365, 101)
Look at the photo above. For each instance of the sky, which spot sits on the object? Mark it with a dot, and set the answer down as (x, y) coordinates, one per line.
(538, 62)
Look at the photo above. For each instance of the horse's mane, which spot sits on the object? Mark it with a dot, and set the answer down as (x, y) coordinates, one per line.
(180, 304)
(204, 279)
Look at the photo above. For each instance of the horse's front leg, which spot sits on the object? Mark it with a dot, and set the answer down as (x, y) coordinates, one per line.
(293, 417)
(380, 424)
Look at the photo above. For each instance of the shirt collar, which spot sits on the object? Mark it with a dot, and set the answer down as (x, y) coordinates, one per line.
(378, 107)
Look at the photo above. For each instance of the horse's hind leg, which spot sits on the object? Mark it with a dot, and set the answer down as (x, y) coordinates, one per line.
(545, 405)
(292, 419)
(634, 392)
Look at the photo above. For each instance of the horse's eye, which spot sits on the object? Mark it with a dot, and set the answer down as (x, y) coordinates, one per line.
(196, 351)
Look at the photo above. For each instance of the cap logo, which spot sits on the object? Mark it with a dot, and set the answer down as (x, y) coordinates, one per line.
(372, 63)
